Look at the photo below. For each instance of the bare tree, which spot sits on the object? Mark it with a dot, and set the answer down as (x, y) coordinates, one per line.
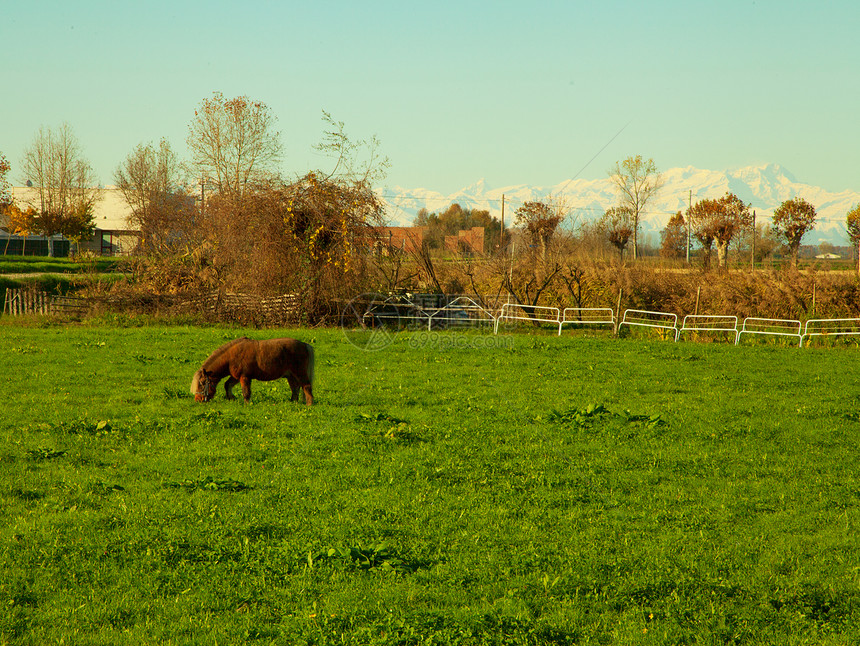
(234, 142)
(153, 184)
(637, 181)
(357, 159)
(792, 220)
(64, 183)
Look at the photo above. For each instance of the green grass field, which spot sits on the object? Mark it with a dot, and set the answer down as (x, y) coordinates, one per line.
(446, 489)
(44, 264)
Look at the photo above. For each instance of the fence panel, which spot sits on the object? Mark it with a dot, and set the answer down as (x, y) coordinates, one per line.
(587, 316)
(645, 318)
(772, 327)
(531, 313)
(709, 323)
(830, 327)
(462, 311)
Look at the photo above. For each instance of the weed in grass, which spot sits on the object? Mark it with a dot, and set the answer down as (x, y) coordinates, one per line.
(374, 556)
(209, 484)
(42, 454)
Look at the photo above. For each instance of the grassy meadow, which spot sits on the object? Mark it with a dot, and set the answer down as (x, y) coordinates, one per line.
(447, 488)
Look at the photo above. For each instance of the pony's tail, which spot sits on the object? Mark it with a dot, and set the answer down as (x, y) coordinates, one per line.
(310, 363)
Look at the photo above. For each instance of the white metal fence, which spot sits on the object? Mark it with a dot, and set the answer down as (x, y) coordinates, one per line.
(438, 311)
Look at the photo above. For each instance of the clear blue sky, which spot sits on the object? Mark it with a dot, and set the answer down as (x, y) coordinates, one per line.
(514, 92)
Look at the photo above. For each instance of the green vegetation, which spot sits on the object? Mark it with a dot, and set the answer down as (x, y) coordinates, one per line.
(520, 489)
(43, 264)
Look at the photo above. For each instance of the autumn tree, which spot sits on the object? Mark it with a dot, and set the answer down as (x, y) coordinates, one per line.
(637, 181)
(852, 224)
(64, 184)
(540, 221)
(21, 223)
(717, 221)
(618, 224)
(674, 237)
(5, 194)
(234, 143)
(308, 236)
(152, 182)
(792, 220)
(766, 242)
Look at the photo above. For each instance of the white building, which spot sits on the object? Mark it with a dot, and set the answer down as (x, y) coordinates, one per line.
(113, 234)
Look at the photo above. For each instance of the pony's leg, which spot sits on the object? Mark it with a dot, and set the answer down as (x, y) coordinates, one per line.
(309, 394)
(294, 386)
(246, 388)
(228, 387)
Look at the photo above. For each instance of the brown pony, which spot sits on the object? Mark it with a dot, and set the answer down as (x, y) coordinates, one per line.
(242, 360)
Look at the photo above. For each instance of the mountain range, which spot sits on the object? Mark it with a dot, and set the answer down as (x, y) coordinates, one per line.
(764, 188)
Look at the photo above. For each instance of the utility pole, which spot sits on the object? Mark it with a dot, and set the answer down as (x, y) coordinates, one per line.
(752, 256)
(688, 226)
(502, 236)
(202, 195)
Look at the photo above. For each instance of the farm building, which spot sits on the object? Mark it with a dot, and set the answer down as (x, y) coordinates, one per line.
(407, 239)
(112, 236)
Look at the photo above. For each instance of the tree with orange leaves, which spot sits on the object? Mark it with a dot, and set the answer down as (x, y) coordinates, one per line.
(5, 195)
(21, 223)
(717, 221)
(792, 220)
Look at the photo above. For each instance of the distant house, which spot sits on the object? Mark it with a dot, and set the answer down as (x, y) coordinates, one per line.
(470, 241)
(828, 256)
(113, 234)
(408, 239)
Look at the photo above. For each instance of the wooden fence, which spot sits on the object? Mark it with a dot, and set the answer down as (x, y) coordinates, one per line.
(31, 301)
(247, 308)
(244, 308)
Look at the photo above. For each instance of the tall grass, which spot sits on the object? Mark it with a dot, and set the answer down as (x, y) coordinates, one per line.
(523, 489)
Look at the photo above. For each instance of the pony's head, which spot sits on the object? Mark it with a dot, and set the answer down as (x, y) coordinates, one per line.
(203, 386)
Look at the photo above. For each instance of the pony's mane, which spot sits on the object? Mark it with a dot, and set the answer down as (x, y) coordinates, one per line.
(219, 351)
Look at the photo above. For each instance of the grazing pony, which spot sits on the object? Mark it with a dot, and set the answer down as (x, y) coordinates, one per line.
(242, 360)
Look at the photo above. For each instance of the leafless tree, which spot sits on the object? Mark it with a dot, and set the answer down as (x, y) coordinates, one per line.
(64, 183)
(153, 184)
(637, 181)
(234, 142)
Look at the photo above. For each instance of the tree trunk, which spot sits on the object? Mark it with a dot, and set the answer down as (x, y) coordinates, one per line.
(636, 239)
(723, 255)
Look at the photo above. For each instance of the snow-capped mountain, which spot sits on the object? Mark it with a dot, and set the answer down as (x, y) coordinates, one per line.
(763, 187)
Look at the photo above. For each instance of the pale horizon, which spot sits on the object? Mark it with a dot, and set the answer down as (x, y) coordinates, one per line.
(454, 92)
